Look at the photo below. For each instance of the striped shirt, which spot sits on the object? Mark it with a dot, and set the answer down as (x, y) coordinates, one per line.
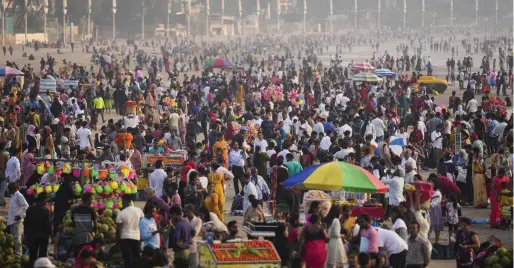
(418, 251)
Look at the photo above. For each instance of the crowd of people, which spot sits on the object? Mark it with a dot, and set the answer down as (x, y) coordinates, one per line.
(238, 135)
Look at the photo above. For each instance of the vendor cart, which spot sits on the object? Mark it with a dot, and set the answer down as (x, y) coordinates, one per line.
(175, 159)
(246, 254)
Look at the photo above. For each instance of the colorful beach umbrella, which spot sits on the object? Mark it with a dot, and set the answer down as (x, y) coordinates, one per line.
(218, 63)
(362, 67)
(366, 77)
(385, 72)
(335, 176)
(6, 70)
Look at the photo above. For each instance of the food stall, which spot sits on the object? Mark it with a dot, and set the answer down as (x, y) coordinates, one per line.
(249, 254)
(173, 158)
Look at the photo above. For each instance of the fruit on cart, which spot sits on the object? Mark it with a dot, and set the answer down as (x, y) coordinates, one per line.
(257, 251)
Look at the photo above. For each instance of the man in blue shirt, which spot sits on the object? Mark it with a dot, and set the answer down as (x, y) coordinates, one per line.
(180, 237)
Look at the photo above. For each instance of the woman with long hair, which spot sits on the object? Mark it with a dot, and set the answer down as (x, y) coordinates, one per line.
(27, 165)
(479, 188)
(313, 240)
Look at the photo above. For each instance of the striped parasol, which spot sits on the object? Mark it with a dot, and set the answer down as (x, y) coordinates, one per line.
(362, 67)
(6, 70)
(366, 77)
(385, 72)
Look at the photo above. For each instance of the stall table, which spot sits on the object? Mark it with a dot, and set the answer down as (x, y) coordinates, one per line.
(246, 254)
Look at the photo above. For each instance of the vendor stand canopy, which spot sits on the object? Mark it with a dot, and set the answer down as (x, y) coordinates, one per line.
(336, 176)
(6, 70)
(363, 67)
(366, 77)
(218, 63)
(385, 73)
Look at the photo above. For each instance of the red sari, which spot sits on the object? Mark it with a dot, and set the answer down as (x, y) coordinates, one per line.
(495, 215)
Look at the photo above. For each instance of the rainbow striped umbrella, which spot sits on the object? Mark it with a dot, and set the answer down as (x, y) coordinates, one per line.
(335, 176)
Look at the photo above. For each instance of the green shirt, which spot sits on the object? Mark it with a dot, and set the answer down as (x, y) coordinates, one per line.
(293, 167)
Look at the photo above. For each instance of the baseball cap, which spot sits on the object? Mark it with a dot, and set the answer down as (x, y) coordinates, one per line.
(43, 263)
(243, 128)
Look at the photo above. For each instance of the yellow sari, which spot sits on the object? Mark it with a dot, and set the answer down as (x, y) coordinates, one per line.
(348, 226)
(217, 178)
(479, 189)
(223, 145)
(212, 204)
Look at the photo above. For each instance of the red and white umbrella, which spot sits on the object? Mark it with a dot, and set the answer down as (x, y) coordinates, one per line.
(363, 67)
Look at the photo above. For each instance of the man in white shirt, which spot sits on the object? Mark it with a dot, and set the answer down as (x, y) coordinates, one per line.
(318, 127)
(257, 120)
(196, 225)
(325, 143)
(499, 129)
(379, 125)
(260, 184)
(472, 105)
(84, 136)
(437, 144)
(261, 142)
(395, 247)
(306, 127)
(128, 230)
(12, 170)
(395, 188)
(17, 212)
(236, 162)
(157, 178)
(173, 121)
(407, 159)
(248, 189)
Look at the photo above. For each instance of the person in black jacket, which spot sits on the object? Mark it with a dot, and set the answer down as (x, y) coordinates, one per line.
(38, 228)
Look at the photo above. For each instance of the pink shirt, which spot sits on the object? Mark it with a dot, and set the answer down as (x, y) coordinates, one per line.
(372, 235)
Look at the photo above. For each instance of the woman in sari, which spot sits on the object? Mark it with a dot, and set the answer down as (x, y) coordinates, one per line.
(494, 196)
(47, 142)
(279, 174)
(211, 201)
(479, 189)
(217, 179)
(348, 225)
(313, 240)
(223, 146)
(27, 165)
(30, 137)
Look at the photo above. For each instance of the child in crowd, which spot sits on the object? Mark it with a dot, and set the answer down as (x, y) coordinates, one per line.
(452, 214)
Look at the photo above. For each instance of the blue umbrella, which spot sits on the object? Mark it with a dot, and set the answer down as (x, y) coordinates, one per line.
(385, 72)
